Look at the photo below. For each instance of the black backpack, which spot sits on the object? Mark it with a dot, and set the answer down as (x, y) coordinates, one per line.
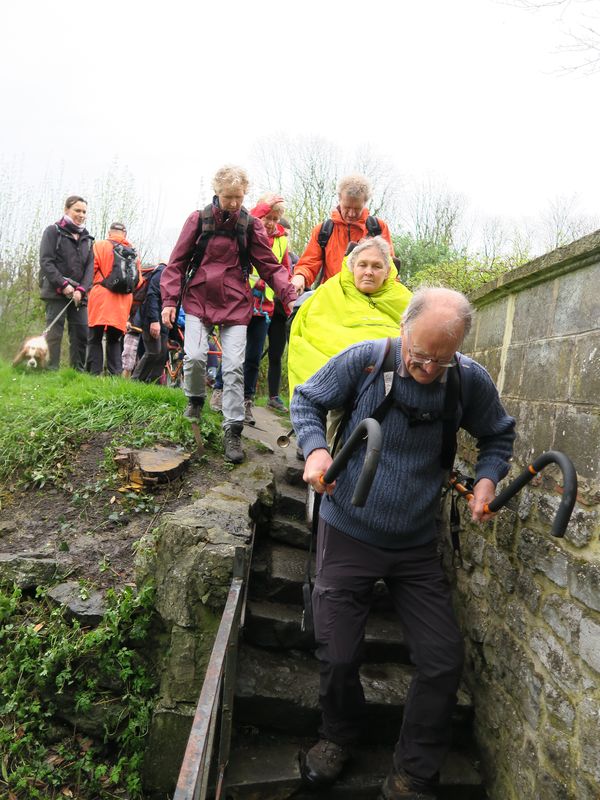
(373, 229)
(206, 229)
(124, 275)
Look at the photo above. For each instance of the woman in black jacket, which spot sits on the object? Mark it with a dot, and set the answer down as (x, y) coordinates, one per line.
(66, 272)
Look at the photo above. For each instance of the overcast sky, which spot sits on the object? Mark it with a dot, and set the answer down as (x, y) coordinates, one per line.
(467, 92)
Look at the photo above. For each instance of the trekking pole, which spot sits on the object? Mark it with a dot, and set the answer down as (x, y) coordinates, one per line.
(57, 317)
(285, 439)
(569, 494)
(370, 430)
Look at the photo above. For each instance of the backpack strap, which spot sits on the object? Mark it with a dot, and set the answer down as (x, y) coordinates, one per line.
(244, 229)
(373, 226)
(323, 238)
(384, 357)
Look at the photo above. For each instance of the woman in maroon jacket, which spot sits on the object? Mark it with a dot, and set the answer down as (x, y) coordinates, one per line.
(223, 242)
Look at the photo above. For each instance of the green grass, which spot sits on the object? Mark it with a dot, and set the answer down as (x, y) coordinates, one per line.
(47, 415)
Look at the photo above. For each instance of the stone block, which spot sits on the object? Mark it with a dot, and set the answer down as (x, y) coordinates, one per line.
(513, 371)
(583, 526)
(505, 530)
(500, 565)
(564, 618)
(528, 325)
(528, 591)
(578, 308)
(535, 431)
(27, 570)
(577, 433)
(589, 737)
(589, 643)
(584, 583)
(167, 740)
(490, 359)
(546, 369)
(490, 326)
(538, 553)
(555, 659)
(559, 707)
(585, 371)
(550, 787)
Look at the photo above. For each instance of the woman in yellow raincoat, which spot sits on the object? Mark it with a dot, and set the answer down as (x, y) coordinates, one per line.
(363, 301)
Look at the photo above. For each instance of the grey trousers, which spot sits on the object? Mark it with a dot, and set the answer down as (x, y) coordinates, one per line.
(346, 572)
(233, 346)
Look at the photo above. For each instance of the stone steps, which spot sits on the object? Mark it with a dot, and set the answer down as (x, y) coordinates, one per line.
(266, 767)
(279, 691)
(277, 625)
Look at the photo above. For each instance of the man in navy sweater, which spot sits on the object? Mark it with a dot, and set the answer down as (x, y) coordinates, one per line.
(394, 536)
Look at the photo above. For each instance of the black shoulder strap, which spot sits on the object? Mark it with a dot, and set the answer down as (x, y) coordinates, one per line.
(373, 226)
(323, 238)
(452, 402)
(243, 230)
(384, 361)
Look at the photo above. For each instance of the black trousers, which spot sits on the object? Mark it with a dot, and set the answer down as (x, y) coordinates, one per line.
(346, 572)
(151, 365)
(277, 339)
(77, 321)
(114, 345)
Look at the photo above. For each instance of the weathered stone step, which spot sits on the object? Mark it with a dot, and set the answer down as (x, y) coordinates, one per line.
(278, 572)
(293, 532)
(279, 691)
(277, 625)
(268, 768)
(290, 501)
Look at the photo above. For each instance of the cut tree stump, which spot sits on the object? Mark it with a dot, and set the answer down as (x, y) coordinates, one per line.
(150, 465)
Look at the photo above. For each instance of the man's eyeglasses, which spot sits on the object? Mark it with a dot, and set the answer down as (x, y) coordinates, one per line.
(424, 361)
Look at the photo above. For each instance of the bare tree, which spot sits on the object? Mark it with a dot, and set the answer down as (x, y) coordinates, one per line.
(581, 21)
(433, 214)
(562, 224)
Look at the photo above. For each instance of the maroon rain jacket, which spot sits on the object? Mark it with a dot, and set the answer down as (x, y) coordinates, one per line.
(218, 293)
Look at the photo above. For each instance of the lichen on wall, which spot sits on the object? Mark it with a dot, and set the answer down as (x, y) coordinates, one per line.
(529, 603)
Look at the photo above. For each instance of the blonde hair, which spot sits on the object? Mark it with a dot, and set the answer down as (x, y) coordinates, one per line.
(273, 200)
(355, 186)
(230, 175)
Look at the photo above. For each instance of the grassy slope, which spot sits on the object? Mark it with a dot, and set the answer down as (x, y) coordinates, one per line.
(46, 415)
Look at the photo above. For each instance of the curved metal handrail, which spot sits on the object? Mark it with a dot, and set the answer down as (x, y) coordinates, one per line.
(370, 430)
(569, 495)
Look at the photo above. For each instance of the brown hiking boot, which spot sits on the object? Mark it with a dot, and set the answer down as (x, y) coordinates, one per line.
(232, 439)
(248, 415)
(324, 763)
(193, 410)
(399, 786)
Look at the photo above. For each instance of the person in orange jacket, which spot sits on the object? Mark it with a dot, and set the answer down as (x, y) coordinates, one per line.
(109, 308)
(349, 225)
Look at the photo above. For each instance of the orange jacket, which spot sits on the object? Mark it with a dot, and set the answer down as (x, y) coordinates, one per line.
(311, 259)
(106, 307)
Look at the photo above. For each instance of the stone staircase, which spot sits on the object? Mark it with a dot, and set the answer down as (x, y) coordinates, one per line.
(276, 713)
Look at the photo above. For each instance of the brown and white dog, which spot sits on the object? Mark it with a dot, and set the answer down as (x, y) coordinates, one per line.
(34, 353)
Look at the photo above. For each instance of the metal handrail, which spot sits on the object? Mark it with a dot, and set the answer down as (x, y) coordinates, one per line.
(192, 783)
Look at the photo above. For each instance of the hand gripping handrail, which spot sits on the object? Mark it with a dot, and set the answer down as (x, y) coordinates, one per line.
(370, 430)
(569, 494)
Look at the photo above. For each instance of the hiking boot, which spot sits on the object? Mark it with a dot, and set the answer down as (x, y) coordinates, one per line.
(232, 439)
(276, 403)
(399, 786)
(193, 408)
(216, 400)
(248, 415)
(324, 763)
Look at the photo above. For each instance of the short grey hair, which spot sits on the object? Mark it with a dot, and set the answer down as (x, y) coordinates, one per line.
(230, 175)
(378, 242)
(355, 186)
(426, 296)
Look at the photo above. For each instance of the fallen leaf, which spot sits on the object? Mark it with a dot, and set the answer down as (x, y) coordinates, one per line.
(112, 499)
(38, 627)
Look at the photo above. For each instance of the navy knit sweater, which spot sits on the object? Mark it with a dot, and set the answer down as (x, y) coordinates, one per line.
(404, 498)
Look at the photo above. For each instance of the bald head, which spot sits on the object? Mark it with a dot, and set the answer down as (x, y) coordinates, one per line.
(447, 310)
(433, 328)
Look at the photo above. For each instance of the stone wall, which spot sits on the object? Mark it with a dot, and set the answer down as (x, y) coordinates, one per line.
(189, 559)
(530, 603)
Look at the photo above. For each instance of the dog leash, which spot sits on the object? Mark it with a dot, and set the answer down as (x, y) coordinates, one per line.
(57, 317)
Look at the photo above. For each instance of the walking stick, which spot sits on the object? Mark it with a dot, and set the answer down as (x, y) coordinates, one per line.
(569, 495)
(57, 317)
